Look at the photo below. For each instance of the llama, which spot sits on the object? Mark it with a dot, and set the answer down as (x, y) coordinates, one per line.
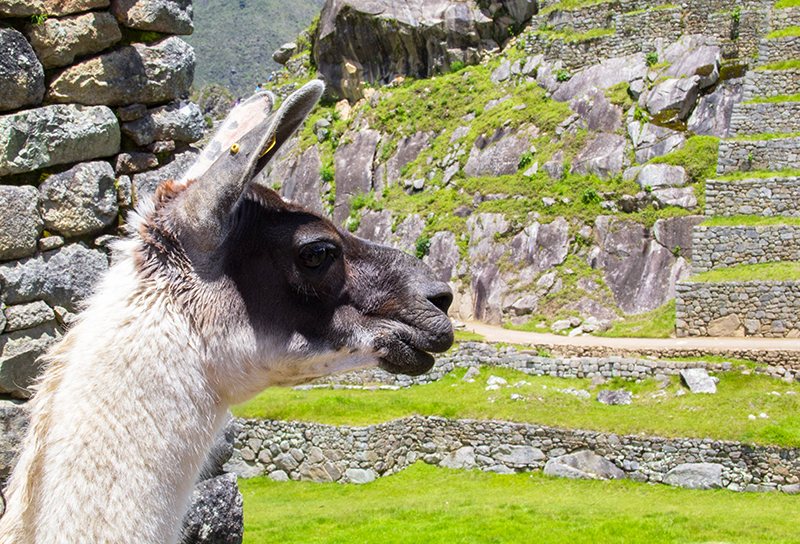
(220, 290)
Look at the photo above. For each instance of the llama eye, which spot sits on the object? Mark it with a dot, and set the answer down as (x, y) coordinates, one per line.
(313, 255)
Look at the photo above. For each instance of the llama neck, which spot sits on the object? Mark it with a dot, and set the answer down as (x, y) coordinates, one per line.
(120, 425)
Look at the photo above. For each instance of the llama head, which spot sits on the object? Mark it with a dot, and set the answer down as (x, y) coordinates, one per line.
(300, 297)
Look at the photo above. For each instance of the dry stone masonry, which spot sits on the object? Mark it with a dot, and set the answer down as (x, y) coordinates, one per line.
(757, 196)
(723, 247)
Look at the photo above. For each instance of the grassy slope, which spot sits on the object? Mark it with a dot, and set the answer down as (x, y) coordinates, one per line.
(782, 271)
(424, 504)
(721, 416)
(234, 39)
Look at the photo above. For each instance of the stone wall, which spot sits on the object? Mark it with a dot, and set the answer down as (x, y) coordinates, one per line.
(769, 83)
(726, 246)
(752, 308)
(785, 18)
(746, 155)
(324, 453)
(766, 197)
(778, 50)
(759, 118)
(74, 144)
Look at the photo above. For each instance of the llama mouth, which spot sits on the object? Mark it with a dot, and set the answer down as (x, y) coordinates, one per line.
(403, 352)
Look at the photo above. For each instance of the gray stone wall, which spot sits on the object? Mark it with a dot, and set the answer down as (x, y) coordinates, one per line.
(726, 246)
(778, 50)
(766, 197)
(752, 308)
(769, 83)
(325, 453)
(785, 18)
(69, 144)
(759, 118)
(745, 155)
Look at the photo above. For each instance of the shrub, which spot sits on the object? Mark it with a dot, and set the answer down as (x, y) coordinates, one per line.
(525, 160)
(423, 246)
(456, 66)
(652, 58)
(327, 173)
(562, 75)
(590, 196)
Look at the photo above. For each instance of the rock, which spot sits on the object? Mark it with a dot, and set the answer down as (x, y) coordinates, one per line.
(730, 325)
(135, 161)
(590, 308)
(314, 473)
(168, 16)
(672, 97)
(408, 149)
(462, 458)
(300, 178)
(657, 176)
(443, 255)
(497, 155)
(138, 73)
(284, 53)
(27, 316)
(542, 246)
(353, 170)
(58, 134)
(702, 61)
(675, 233)
(652, 141)
(131, 113)
(695, 476)
(62, 277)
(501, 73)
(145, 184)
(359, 476)
(614, 398)
(19, 354)
(525, 305)
(495, 380)
(698, 380)
(25, 8)
(243, 469)
(519, 456)
(376, 226)
(180, 122)
(712, 115)
(21, 74)
(58, 41)
(605, 75)
(560, 325)
(681, 197)
(215, 514)
(81, 200)
(221, 451)
(278, 476)
(604, 156)
(20, 222)
(597, 111)
(14, 418)
(471, 374)
(583, 465)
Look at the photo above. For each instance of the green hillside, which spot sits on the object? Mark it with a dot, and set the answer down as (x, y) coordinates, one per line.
(234, 39)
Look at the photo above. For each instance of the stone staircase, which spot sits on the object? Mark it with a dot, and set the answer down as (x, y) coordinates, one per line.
(763, 137)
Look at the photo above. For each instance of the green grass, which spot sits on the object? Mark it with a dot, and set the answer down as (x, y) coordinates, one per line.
(775, 99)
(782, 271)
(787, 4)
(764, 136)
(783, 33)
(426, 505)
(783, 65)
(469, 336)
(760, 174)
(720, 416)
(698, 157)
(749, 221)
(660, 323)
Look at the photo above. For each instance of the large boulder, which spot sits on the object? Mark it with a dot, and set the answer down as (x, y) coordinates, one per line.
(408, 149)
(180, 122)
(462, 458)
(583, 465)
(702, 61)
(672, 97)
(650, 141)
(604, 156)
(19, 357)
(300, 179)
(695, 476)
(354, 170)
(605, 75)
(656, 176)
(675, 233)
(53, 8)
(215, 514)
(21, 73)
(497, 155)
(168, 16)
(138, 73)
(712, 115)
(680, 197)
(597, 111)
(443, 255)
(698, 380)
(20, 222)
(376, 225)
(57, 134)
(81, 200)
(58, 41)
(62, 277)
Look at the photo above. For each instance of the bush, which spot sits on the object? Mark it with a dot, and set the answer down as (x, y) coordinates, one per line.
(525, 160)
(652, 58)
(562, 75)
(327, 173)
(423, 247)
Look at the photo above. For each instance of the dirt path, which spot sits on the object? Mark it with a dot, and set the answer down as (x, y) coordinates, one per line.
(498, 334)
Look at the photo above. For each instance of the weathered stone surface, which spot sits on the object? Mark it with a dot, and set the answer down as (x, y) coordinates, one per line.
(359, 476)
(20, 222)
(407, 233)
(21, 74)
(62, 277)
(353, 170)
(443, 255)
(134, 161)
(19, 352)
(408, 149)
(519, 456)
(138, 73)
(542, 246)
(81, 200)
(698, 380)
(672, 97)
(57, 134)
(675, 233)
(499, 159)
(614, 398)
(145, 184)
(53, 8)
(215, 513)
(730, 325)
(27, 316)
(583, 465)
(284, 52)
(180, 122)
(603, 76)
(597, 111)
(301, 179)
(657, 176)
(462, 458)
(13, 423)
(58, 41)
(681, 197)
(702, 61)
(604, 156)
(651, 140)
(695, 476)
(168, 16)
(712, 115)
(376, 226)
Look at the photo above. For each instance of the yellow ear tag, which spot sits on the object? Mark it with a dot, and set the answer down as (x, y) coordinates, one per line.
(270, 146)
(235, 148)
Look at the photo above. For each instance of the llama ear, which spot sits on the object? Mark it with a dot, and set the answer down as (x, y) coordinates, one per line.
(210, 198)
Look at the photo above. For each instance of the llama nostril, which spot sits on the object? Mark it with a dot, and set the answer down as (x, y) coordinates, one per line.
(442, 300)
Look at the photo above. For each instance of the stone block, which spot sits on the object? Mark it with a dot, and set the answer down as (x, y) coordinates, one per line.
(27, 316)
(19, 357)
(177, 122)
(168, 16)
(53, 8)
(20, 222)
(58, 41)
(215, 514)
(695, 476)
(21, 73)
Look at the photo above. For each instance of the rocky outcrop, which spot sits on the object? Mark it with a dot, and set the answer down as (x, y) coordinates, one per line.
(354, 170)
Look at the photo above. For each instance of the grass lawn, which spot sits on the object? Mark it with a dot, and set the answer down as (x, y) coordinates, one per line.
(660, 323)
(425, 504)
(781, 271)
(653, 412)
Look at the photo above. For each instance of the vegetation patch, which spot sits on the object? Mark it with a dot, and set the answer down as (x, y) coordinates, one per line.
(781, 271)
(698, 157)
(660, 323)
(787, 4)
(750, 221)
(783, 65)
(783, 33)
(774, 99)
(759, 174)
